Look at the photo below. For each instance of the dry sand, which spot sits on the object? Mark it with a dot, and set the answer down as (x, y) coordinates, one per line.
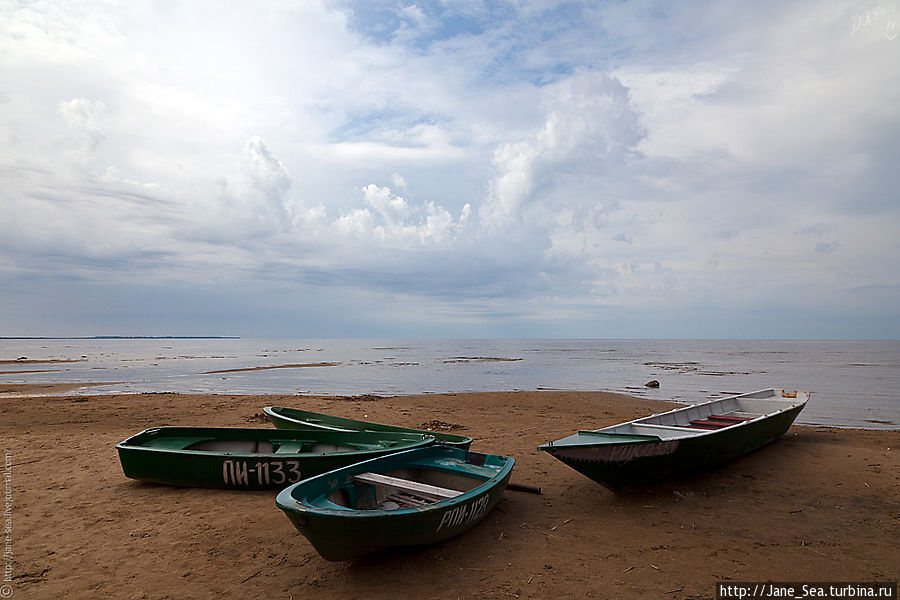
(819, 504)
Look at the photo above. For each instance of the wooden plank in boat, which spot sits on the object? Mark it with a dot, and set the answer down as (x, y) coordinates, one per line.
(404, 500)
(405, 485)
(731, 418)
(710, 424)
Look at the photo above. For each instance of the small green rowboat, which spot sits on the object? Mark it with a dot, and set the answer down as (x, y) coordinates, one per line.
(681, 441)
(250, 459)
(415, 497)
(294, 418)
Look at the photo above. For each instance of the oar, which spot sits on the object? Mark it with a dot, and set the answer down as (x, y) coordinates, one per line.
(521, 487)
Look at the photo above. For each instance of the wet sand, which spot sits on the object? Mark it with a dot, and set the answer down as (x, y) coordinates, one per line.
(820, 504)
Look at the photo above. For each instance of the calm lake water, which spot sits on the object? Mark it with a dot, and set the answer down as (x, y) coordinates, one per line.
(854, 383)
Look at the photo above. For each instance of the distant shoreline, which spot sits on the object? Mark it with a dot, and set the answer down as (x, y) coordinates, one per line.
(126, 337)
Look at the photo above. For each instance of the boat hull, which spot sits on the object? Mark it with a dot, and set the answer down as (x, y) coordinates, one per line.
(164, 455)
(292, 418)
(341, 533)
(647, 459)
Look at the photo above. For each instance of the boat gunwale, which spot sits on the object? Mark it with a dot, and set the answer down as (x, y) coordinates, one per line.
(441, 437)
(748, 395)
(125, 444)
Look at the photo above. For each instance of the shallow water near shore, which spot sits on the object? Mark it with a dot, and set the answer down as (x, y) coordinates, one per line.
(854, 383)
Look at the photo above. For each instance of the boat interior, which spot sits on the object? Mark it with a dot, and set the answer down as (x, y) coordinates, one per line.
(266, 447)
(402, 488)
(710, 416)
(287, 447)
(306, 418)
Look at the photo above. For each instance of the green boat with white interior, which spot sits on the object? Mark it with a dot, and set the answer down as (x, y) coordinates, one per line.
(680, 441)
(410, 498)
(251, 459)
(295, 418)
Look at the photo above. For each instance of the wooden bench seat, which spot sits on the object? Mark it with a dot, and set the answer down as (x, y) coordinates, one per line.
(290, 448)
(415, 489)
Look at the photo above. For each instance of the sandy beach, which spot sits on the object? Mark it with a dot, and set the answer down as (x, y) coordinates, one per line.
(819, 504)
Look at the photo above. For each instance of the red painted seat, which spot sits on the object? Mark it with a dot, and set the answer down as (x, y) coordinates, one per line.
(729, 418)
(710, 424)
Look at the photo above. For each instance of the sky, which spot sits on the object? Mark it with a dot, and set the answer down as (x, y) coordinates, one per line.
(386, 168)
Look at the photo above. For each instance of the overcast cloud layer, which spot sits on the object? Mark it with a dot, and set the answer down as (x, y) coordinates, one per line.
(465, 168)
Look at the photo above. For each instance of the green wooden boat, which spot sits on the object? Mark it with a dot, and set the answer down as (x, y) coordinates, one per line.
(251, 459)
(680, 441)
(415, 497)
(294, 418)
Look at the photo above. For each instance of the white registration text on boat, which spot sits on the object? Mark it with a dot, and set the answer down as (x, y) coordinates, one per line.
(242, 472)
(465, 513)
